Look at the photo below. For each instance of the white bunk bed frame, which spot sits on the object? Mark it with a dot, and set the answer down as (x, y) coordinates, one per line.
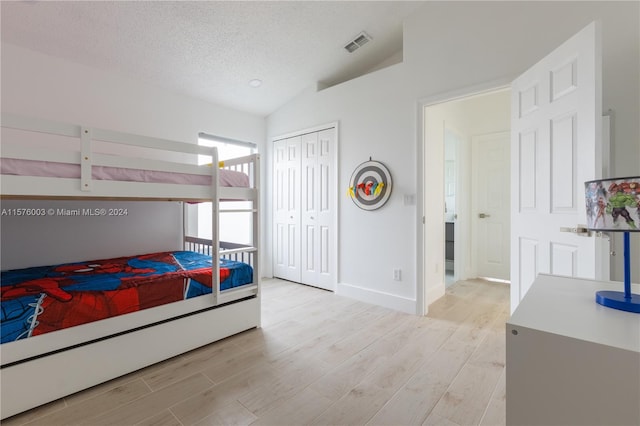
(103, 350)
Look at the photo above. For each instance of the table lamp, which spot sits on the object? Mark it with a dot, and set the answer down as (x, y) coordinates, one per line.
(613, 205)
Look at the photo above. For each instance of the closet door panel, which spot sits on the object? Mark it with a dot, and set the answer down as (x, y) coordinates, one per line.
(310, 208)
(286, 202)
(325, 252)
(327, 211)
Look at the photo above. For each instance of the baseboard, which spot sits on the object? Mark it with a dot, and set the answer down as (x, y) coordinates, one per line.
(387, 300)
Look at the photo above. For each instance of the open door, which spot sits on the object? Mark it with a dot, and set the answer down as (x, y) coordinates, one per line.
(556, 145)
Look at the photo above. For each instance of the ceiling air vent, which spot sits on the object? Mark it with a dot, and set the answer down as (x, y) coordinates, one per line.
(360, 40)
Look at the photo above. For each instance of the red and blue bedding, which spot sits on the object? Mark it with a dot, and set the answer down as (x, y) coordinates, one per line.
(42, 299)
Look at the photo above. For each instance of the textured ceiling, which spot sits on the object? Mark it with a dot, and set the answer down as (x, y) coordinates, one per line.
(211, 49)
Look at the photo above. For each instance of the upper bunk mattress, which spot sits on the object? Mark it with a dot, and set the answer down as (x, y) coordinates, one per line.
(19, 167)
(42, 299)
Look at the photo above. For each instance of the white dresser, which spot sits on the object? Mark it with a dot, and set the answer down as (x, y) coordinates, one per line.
(571, 361)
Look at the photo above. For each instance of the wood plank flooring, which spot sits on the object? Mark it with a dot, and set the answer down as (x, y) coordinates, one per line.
(320, 359)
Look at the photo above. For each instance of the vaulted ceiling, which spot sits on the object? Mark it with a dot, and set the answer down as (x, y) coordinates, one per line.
(212, 49)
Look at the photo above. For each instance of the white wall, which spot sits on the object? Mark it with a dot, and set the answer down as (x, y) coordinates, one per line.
(449, 46)
(43, 86)
(58, 237)
(47, 87)
(371, 123)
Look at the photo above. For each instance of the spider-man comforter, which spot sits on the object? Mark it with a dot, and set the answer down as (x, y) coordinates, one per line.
(48, 298)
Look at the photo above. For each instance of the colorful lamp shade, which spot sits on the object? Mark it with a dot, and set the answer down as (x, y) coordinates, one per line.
(613, 205)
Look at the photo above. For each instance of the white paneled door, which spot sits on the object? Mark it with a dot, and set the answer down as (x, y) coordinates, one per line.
(308, 253)
(555, 147)
(286, 213)
(318, 199)
(491, 207)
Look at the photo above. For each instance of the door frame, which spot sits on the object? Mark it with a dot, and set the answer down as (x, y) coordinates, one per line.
(460, 188)
(334, 221)
(430, 255)
(461, 269)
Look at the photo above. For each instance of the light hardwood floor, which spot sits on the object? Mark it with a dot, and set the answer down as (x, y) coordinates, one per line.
(320, 359)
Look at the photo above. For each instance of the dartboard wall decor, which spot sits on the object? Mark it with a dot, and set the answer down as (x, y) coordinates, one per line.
(370, 185)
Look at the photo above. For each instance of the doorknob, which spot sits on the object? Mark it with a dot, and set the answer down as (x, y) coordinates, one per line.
(483, 215)
(580, 230)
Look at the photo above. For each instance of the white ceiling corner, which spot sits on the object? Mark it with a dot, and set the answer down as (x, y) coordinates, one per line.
(212, 49)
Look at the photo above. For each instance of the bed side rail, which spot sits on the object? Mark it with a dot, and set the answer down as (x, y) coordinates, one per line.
(227, 250)
(85, 155)
(14, 121)
(232, 251)
(247, 164)
(199, 245)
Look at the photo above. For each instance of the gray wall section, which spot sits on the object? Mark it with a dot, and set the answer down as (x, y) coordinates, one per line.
(141, 227)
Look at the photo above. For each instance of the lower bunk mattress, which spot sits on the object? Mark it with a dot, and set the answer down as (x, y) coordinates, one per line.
(42, 299)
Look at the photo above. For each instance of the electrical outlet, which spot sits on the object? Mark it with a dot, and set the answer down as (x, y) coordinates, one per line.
(397, 275)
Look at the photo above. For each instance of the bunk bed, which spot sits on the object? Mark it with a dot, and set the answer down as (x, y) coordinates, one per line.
(205, 309)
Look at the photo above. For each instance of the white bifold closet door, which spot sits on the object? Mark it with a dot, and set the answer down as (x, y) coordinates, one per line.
(286, 213)
(304, 209)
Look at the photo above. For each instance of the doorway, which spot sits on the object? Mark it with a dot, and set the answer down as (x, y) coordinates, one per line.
(464, 139)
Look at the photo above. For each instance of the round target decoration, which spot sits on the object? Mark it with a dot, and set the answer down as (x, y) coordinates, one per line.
(370, 185)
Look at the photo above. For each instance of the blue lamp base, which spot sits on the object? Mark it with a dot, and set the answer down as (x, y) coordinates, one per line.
(624, 301)
(617, 300)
